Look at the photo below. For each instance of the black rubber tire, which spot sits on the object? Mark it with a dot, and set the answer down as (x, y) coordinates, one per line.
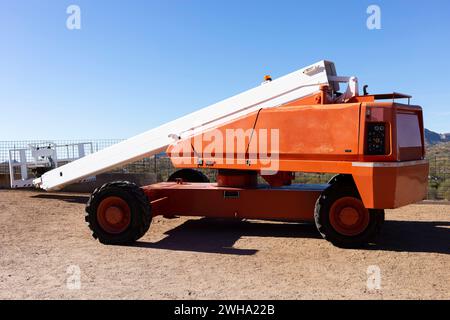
(343, 179)
(188, 175)
(343, 188)
(140, 212)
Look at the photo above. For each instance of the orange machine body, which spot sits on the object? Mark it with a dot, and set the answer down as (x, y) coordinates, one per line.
(313, 135)
(286, 203)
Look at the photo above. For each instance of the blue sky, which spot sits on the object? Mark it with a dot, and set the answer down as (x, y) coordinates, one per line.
(137, 64)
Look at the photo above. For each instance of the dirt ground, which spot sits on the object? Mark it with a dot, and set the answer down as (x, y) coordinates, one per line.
(44, 242)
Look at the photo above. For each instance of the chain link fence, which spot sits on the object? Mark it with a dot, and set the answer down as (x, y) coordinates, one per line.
(439, 178)
(161, 167)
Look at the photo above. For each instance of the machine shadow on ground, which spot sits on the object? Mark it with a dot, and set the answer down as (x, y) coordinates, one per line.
(219, 236)
(415, 236)
(63, 197)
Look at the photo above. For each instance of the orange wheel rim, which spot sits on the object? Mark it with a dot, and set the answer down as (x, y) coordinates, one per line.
(113, 215)
(348, 216)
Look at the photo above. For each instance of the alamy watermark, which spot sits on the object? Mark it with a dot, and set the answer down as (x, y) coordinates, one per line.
(247, 147)
(73, 21)
(73, 281)
(373, 277)
(373, 21)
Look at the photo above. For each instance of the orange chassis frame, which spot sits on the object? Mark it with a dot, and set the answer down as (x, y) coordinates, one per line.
(397, 178)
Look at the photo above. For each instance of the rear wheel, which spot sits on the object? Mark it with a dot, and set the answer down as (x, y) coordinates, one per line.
(188, 175)
(341, 217)
(118, 213)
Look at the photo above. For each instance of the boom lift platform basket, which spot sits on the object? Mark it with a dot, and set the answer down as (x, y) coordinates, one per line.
(40, 158)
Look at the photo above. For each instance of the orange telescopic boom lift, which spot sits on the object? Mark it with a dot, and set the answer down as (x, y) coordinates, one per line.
(371, 142)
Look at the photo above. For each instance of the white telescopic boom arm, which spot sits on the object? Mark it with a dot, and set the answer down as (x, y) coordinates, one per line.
(288, 88)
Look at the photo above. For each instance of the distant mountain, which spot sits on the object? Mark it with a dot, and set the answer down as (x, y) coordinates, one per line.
(432, 137)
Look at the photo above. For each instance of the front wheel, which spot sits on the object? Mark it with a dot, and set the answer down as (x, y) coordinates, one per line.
(342, 219)
(118, 213)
